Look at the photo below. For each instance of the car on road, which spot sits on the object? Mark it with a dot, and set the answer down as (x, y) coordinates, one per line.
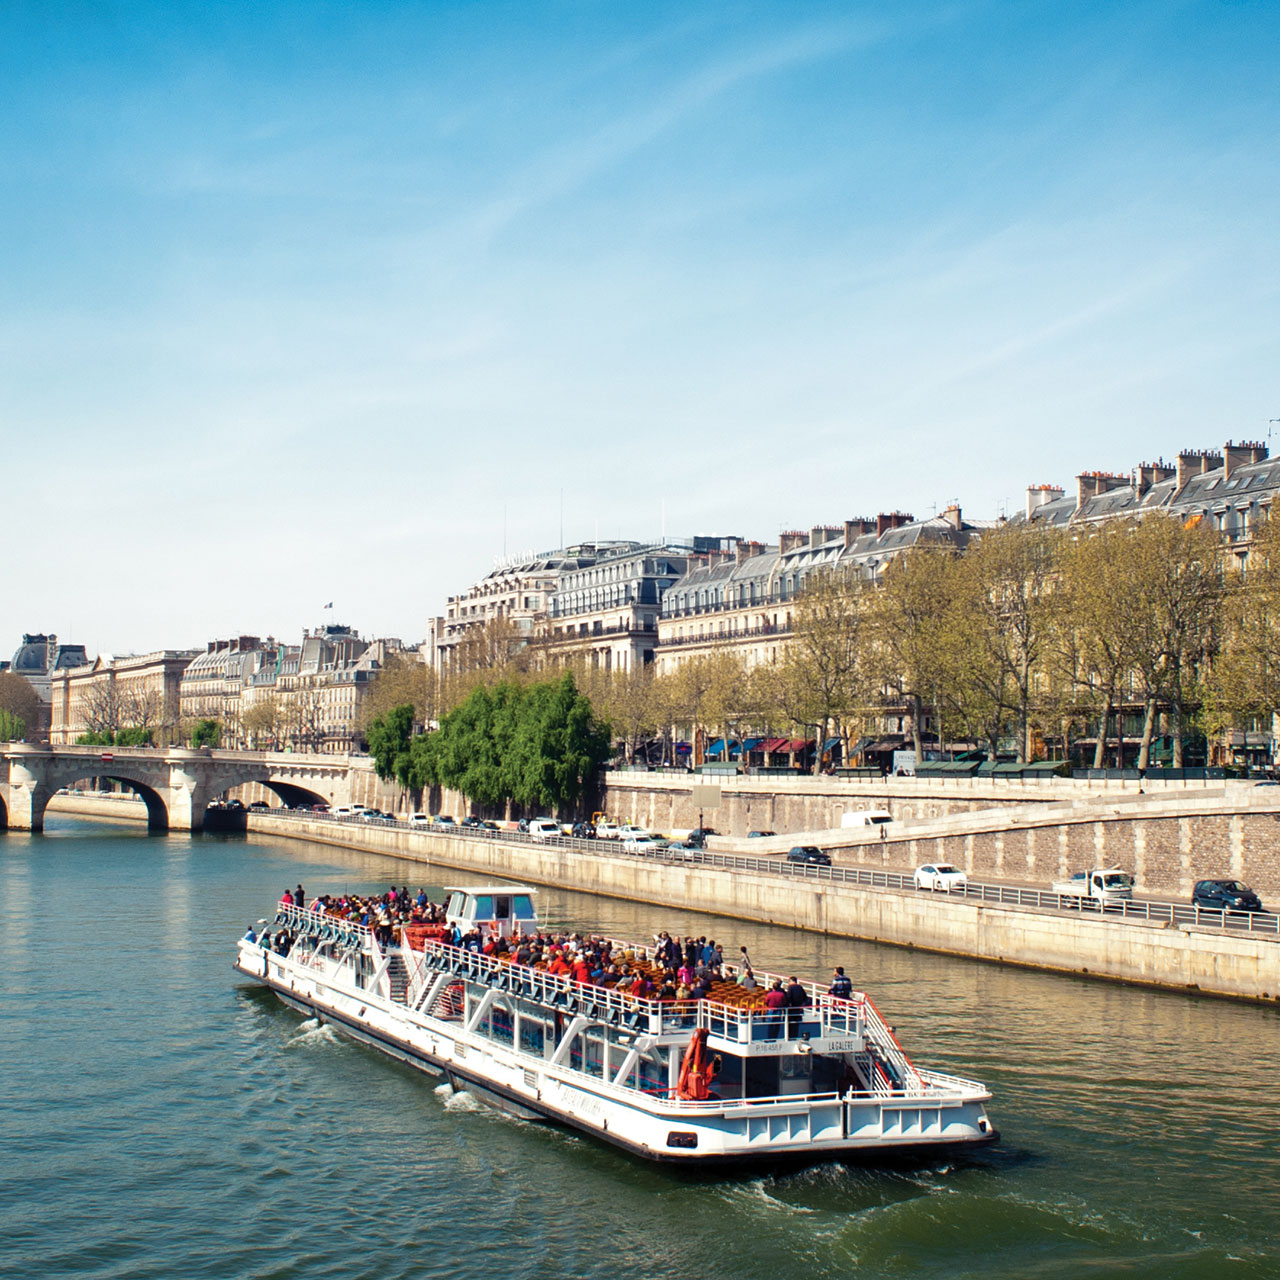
(1225, 895)
(544, 829)
(629, 831)
(642, 844)
(683, 850)
(259, 805)
(699, 835)
(809, 853)
(940, 875)
(443, 820)
(606, 830)
(420, 820)
(584, 830)
(757, 835)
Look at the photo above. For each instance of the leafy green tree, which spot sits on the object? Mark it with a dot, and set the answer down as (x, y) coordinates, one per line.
(206, 733)
(13, 728)
(390, 737)
(538, 744)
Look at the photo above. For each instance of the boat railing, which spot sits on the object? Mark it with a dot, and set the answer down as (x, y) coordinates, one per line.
(880, 1034)
(826, 1017)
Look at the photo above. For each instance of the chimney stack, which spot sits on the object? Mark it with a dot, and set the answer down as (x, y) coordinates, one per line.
(790, 540)
(892, 520)
(1145, 474)
(1196, 462)
(856, 528)
(1240, 455)
(1039, 495)
(952, 515)
(1089, 484)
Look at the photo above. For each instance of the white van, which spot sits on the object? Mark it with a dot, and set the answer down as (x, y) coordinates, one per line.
(866, 818)
(544, 828)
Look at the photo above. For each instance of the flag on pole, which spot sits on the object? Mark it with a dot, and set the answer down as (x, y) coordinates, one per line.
(329, 605)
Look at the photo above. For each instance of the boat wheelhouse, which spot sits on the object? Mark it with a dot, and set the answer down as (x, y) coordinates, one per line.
(717, 1080)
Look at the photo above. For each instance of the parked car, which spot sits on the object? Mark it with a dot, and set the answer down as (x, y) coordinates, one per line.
(756, 835)
(1225, 895)
(808, 853)
(940, 875)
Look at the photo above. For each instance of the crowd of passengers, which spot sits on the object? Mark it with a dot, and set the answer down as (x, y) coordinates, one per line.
(671, 969)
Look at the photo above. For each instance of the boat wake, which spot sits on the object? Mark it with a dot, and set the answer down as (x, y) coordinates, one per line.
(313, 1032)
(459, 1099)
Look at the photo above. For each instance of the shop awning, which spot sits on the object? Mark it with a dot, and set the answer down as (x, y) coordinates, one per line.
(830, 742)
(799, 744)
(716, 747)
(751, 744)
(886, 744)
(774, 744)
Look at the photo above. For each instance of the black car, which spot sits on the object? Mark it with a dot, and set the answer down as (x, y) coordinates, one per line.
(698, 836)
(809, 853)
(472, 821)
(1225, 895)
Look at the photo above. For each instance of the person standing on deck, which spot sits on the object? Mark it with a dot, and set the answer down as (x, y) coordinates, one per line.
(797, 998)
(841, 987)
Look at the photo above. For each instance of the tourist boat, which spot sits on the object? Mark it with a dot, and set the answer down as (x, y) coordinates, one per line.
(828, 1081)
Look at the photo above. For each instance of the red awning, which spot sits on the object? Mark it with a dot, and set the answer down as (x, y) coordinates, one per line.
(799, 744)
(774, 744)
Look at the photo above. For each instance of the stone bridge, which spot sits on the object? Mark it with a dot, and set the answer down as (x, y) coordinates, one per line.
(177, 784)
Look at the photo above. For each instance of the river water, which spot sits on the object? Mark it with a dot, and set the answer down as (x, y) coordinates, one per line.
(161, 1118)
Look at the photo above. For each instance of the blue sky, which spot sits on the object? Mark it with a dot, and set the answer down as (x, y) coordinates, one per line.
(310, 302)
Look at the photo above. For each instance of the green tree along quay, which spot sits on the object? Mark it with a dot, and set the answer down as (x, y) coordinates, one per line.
(390, 739)
(538, 744)
(13, 728)
(206, 733)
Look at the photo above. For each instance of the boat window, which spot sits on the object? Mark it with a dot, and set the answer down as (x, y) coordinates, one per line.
(575, 1054)
(502, 907)
(524, 907)
(456, 901)
(595, 1057)
(795, 1073)
(762, 1077)
(533, 1035)
(728, 1084)
(653, 1070)
(483, 906)
(501, 1025)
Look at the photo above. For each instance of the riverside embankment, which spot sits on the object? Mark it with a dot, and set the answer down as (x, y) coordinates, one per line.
(1197, 958)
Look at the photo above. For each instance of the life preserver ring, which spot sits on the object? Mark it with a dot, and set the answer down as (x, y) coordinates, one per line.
(495, 929)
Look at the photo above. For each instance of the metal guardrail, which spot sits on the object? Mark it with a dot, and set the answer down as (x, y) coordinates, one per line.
(1265, 923)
